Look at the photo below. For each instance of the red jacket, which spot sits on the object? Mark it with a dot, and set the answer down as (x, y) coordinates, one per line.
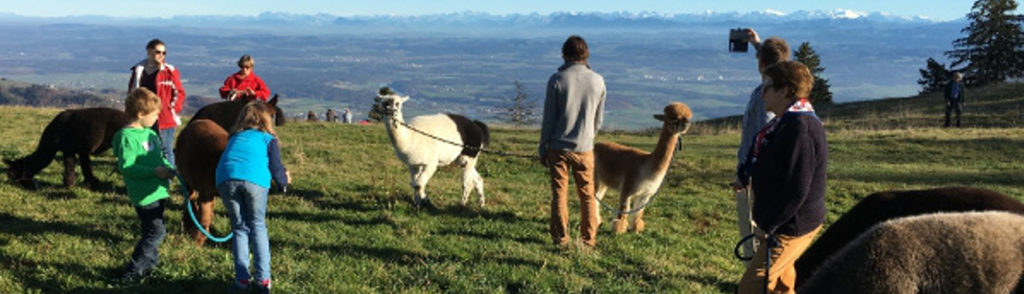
(169, 89)
(237, 82)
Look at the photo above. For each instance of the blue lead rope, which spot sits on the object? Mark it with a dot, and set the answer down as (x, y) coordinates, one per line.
(184, 192)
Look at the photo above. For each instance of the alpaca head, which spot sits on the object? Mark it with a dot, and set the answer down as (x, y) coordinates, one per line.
(676, 117)
(389, 105)
(278, 113)
(17, 172)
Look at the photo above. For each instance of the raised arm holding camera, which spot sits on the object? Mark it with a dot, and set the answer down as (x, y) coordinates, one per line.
(772, 51)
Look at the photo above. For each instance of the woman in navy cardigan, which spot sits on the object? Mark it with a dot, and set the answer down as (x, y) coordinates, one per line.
(787, 164)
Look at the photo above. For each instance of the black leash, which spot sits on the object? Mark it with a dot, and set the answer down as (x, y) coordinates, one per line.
(476, 148)
(772, 242)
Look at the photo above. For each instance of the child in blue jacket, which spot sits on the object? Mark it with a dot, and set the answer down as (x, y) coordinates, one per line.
(252, 157)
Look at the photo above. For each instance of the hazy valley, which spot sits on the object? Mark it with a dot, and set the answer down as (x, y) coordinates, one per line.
(467, 62)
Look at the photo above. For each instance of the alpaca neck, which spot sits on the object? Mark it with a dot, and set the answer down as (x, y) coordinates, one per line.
(399, 134)
(39, 159)
(662, 154)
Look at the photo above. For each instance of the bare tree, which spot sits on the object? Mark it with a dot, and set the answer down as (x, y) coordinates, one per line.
(522, 110)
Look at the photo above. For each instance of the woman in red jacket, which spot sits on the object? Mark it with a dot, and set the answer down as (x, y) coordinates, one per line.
(162, 78)
(245, 83)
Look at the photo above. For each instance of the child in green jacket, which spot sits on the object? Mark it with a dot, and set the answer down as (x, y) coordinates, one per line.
(146, 173)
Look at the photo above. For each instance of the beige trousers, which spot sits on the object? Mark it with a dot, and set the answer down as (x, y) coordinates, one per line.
(782, 277)
(582, 170)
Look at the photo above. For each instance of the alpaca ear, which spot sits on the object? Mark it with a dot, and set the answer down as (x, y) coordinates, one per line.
(403, 98)
(273, 101)
(660, 117)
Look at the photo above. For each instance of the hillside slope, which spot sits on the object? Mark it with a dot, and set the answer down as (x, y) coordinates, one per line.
(1000, 106)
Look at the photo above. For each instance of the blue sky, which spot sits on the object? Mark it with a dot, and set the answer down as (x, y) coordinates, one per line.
(935, 9)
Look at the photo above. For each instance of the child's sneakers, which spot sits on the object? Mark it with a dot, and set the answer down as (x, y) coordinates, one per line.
(263, 287)
(240, 286)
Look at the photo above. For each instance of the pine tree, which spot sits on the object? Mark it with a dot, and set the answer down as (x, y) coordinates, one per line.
(820, 94)
(522, 109)
(933, 77)
(993, 50)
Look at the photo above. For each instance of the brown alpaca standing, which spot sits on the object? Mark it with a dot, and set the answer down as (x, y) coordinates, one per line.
(635, 173)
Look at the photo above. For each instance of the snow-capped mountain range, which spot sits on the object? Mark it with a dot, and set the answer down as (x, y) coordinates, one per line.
(488, 20)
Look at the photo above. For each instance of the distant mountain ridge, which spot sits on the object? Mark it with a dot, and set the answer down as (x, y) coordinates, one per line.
(484, 20)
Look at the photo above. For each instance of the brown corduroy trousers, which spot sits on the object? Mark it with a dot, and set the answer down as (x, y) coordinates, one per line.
(582, 166)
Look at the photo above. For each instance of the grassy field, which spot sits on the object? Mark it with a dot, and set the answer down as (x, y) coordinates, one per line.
(347, 224)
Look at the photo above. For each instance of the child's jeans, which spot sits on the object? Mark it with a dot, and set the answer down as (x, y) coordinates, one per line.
(146, 255)
(246, 204)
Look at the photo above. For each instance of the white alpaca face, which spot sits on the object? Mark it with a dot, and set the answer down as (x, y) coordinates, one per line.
(389, 105)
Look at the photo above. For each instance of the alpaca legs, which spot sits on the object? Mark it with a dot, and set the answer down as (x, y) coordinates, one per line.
(202, 207)
(637, 222)
(471, 181)
(85, 161)
(205, 214)
(69, 169)
(421, 174)
(193, 201)
(620, 223)
(599, 191)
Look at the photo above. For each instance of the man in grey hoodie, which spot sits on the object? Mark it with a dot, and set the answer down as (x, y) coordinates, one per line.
(572, 116)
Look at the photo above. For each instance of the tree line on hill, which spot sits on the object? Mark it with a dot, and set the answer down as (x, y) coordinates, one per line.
(991, 53)
(36, 95)
(50, 96)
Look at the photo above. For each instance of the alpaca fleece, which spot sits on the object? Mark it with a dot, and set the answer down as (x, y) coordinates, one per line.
(883, 206)
(973, 252)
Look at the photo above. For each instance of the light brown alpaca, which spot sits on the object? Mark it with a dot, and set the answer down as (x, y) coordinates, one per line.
(635, 173)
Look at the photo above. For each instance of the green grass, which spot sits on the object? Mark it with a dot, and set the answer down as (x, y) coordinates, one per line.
(347, 225)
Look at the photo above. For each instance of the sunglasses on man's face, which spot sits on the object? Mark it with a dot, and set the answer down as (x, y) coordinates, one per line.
(160, 52)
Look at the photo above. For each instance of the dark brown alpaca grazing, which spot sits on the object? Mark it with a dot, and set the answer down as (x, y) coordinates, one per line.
(199, 146)
(77, 134)
(879, 207)
(198, 149)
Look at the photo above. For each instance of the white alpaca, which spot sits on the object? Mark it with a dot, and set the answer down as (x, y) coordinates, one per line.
(423, 154)
(637, 174)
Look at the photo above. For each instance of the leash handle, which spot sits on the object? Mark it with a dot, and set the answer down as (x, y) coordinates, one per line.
(736, 250)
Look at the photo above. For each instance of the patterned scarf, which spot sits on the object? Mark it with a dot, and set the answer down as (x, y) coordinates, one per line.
(800, 107)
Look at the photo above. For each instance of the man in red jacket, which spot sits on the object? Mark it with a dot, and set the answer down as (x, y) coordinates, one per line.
(245, 83)
(155, 74)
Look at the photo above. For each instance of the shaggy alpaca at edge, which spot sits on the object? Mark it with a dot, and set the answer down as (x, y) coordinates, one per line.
(423, 155)
(883, 206)
(973, 252)
(638, 174)
(76, 133)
